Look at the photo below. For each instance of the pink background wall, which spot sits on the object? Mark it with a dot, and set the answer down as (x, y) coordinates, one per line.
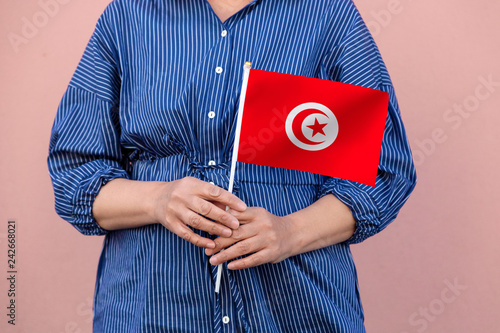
(436, 269)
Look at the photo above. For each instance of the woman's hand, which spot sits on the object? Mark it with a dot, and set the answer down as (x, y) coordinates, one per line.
(124, 203)
(270, 239)
(193, 202)
(267, 237)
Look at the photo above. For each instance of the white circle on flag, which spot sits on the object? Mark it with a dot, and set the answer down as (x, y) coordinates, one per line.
(319, 129)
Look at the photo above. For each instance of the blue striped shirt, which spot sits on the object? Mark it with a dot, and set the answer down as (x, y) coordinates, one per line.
(154, 98)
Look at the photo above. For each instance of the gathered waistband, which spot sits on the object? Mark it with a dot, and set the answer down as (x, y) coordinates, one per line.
(144, 166)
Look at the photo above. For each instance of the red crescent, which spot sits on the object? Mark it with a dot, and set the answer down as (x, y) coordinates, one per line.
(297, 125)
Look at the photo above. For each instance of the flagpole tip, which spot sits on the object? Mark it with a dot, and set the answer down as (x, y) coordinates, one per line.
(248, 64)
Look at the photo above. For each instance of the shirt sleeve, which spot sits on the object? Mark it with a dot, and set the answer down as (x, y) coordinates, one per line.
(84, 151)
(356, 60)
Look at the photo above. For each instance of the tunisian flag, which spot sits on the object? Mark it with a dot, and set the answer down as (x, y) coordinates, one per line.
(307, 124)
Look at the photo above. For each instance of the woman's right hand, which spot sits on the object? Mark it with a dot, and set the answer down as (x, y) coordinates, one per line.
(124, 203)
(201, 205)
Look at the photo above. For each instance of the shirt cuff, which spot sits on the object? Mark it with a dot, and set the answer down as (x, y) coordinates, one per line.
(362, 205)
(84, 196)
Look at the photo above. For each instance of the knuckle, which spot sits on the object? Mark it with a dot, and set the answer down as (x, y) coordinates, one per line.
(255, 259)
(237, 234)
(214, 230)
(197, 241)
(218, 244)
(276, 260)
(260, 210)
(223, 218)
(194, 221)
(175, 194)
(169, 224)
(185, 182)
(186, 235)
(205, 208)
(223, 256)
(268, 225)
(188, 180)
(231, 199)
(243, 247)
(215, 191)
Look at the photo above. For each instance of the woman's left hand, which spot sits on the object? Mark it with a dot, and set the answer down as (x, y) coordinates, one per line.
(266, 237)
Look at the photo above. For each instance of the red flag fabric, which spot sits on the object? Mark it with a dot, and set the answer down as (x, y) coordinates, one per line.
(314, 125)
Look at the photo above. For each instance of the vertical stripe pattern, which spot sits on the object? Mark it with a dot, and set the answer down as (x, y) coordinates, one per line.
(154, 97)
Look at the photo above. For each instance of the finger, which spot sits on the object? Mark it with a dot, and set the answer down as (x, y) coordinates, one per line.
(256, 259)
(248, 215)
(237, 250)
(187, 234)
(213, 212)
(242, 233)
(214, 193)
(220, 244)
(201, 223)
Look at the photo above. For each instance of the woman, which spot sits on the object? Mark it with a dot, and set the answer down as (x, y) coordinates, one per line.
(140, 152)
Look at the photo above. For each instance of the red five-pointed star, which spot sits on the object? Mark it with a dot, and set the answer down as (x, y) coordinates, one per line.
(317, 127)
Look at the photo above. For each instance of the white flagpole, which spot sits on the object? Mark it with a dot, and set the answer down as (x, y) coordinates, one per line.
(246, 72)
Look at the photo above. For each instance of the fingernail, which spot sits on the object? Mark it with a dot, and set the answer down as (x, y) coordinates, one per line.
(210, 245)
(213, 261)
(227, 233)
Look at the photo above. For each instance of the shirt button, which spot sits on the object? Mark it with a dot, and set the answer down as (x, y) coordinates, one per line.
(218, 70)
(212, 183)
(211, 115)
(223, 33)
(225, 319)
(211, 163)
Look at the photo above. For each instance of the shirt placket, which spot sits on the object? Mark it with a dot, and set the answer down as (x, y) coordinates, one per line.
(225, 320)
(214, 111)
(211, 113)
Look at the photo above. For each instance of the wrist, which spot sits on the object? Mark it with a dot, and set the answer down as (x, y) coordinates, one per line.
(153, 203)
(295, 234)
